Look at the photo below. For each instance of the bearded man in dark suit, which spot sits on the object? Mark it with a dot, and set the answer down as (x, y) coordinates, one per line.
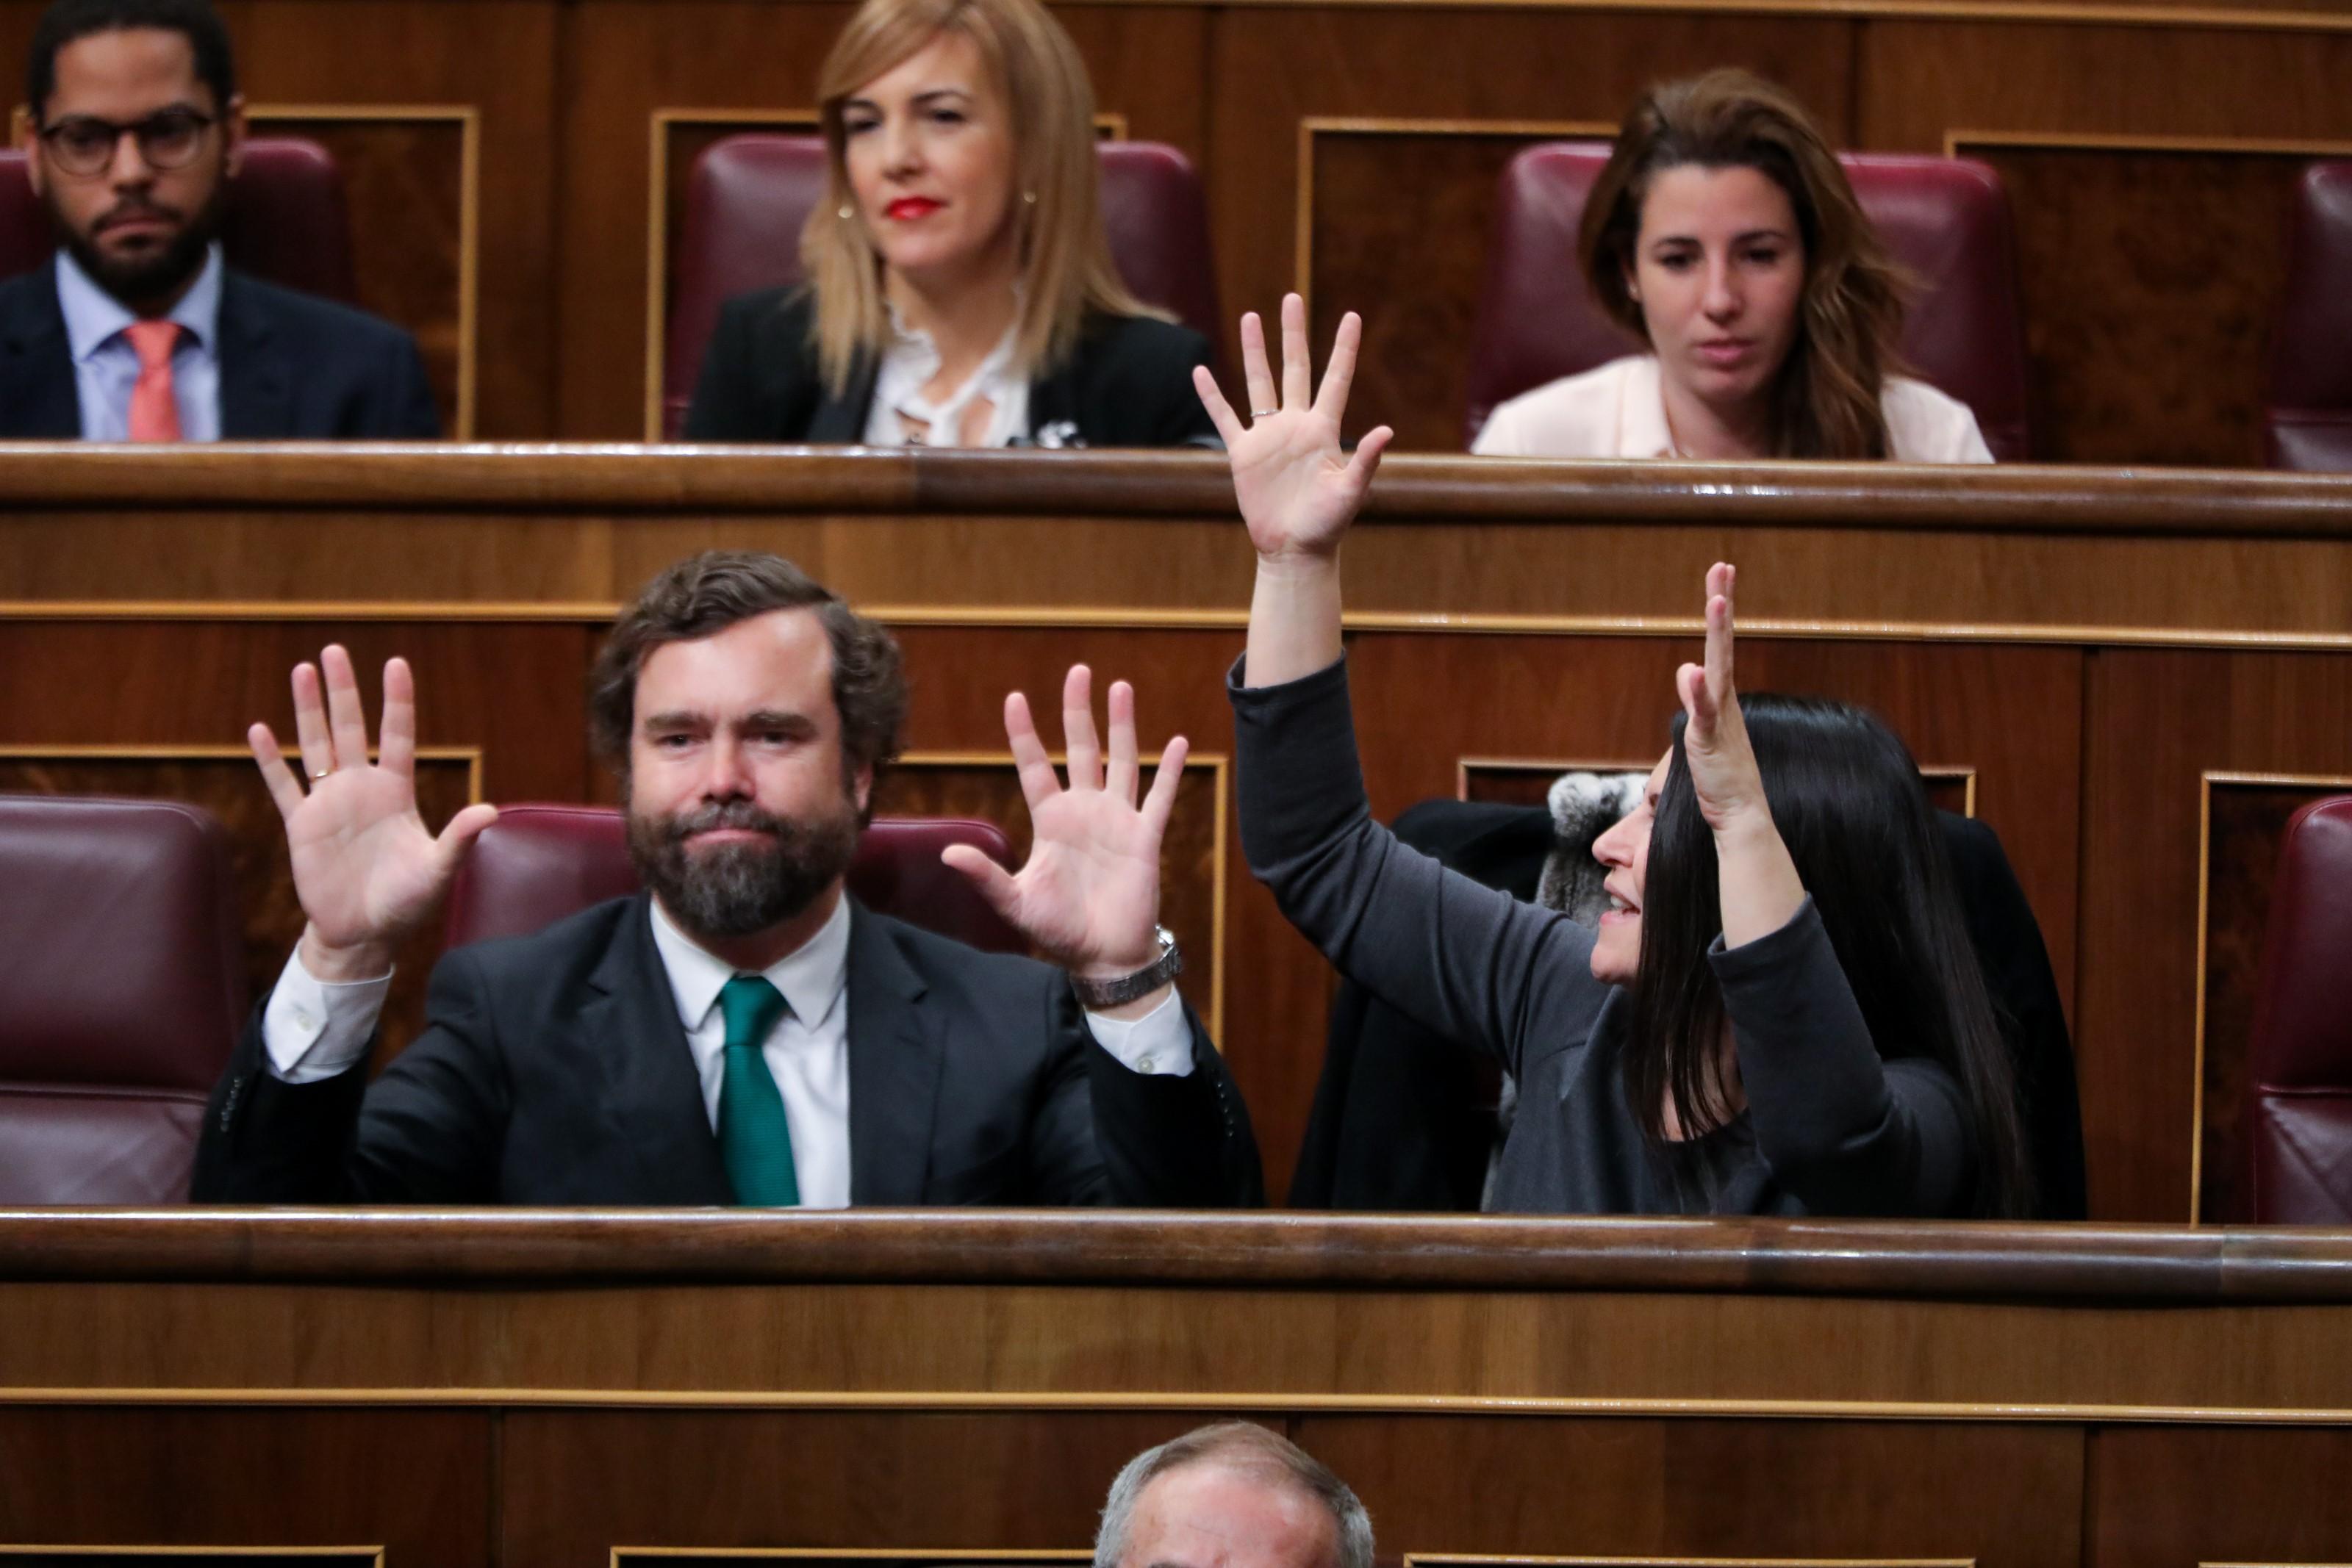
(744, 1031)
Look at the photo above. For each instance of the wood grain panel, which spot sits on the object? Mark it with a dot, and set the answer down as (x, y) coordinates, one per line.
(2208, 1497)
(1394, 220)
(414, 218)
(578, 1484)
(628, 59)
(2151, 280)
(1521, 782)
(1659, 1491)
(416, 1483)
(2156, 722)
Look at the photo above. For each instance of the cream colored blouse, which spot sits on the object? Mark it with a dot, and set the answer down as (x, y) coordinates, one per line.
(1620, 411)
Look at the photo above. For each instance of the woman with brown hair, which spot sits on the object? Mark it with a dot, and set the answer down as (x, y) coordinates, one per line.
(960, 290)
(1724, 231)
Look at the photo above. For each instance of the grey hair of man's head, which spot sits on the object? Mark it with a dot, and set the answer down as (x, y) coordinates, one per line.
(1245, 1449)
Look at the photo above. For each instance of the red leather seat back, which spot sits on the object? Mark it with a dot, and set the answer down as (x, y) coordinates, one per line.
(2308, 420)
(2299, 1090)
(748, 196)
(1945, 219)
(286, 223)
(538, 863)
(122, 995)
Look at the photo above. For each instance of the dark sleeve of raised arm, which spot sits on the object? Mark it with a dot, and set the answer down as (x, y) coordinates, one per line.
(1475, 964)
(1845, 1132)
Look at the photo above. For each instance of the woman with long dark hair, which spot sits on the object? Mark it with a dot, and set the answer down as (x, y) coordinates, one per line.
(1724, 234)
(1781, 1011)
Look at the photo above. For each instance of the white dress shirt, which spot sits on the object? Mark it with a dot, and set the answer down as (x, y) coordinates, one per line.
(312, 1030)
(1619, 410)
(907, 366)
(106, 367)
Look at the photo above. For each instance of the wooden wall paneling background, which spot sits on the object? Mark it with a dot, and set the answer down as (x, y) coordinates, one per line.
(842, 1480)
(2172, 1495)
(2156, 723)
(418, 1483)
(1667, 1490)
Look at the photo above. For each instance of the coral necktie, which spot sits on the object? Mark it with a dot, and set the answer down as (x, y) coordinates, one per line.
(754, 1140)
(154, 408)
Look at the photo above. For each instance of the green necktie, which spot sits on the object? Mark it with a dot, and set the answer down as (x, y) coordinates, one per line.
(753, 1137)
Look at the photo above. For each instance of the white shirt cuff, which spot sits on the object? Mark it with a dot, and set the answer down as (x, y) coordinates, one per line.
(312, 1030)
(1160, 1042)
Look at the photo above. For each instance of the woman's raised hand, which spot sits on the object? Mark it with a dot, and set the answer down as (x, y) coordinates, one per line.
(1715, 740)
(1297, 490)
(1760, 889)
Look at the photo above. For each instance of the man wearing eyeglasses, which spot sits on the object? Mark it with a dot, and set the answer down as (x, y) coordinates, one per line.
(139, 331)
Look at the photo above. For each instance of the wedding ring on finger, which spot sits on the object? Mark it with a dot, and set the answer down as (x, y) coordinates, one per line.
(1264, 413)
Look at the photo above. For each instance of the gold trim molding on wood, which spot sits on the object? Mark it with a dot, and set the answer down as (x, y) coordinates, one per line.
(1498, 1560)
(1464, 766)
(2205, 783)
(439, 1395)
(372, 1555)
(471, 755)
(924, 1555)
(2068, 141)
(468, 119)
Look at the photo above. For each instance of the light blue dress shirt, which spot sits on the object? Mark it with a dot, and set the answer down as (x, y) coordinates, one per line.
(106, 367)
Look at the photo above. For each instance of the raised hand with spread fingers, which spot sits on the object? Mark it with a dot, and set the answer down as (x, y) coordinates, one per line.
(365, 868)
(1298, 489)
(1089, 893)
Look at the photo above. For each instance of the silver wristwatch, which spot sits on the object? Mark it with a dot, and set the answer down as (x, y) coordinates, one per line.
(1100, 994)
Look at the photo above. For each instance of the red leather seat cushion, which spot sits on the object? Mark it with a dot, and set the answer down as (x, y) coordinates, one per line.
(748, 196)
(2299, 1099)
(286, 223)
(121, 997)
(1946, 220)
(538, 863)
(2308, 421)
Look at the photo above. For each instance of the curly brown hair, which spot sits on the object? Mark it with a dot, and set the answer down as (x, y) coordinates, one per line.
(1825, 401)
(706, 594)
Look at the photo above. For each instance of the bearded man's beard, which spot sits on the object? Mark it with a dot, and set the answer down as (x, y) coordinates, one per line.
(156, 276)
(735, 889)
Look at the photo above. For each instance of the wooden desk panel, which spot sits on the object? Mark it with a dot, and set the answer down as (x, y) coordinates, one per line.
(550, 1386)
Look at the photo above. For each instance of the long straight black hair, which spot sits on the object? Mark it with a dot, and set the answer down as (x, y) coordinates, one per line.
(1848, 801)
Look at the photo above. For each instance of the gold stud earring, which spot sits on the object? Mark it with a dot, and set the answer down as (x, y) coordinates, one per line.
(847, 211)
(1030, 197)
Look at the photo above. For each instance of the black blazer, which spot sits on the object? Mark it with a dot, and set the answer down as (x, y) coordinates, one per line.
(1128, 384)
(292, 368)
(553, 1070)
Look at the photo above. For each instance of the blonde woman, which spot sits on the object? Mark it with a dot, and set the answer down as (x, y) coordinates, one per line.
(960, 290)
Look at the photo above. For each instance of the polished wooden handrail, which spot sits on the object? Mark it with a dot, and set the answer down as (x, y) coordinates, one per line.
(803, 480)
(1903, 1258)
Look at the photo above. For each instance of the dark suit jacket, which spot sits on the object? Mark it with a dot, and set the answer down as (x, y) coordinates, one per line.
(553, 1071)
(1403, 1117)
(292, 368)
(1130, 382)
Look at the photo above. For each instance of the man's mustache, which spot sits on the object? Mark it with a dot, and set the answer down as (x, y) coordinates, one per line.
(741, 816)
(134, 210)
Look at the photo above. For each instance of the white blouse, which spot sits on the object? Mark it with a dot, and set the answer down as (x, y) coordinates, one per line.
(1620, 411)
(909, 364)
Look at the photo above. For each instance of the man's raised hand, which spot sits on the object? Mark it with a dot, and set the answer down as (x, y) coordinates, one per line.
(1089, 895)
(366, 869)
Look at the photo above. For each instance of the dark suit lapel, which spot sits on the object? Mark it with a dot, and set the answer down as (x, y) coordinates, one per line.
(38, 396)
(257, 380)
(894, 1068)
(1053, 402)
(655, 1099)
(841, 421)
